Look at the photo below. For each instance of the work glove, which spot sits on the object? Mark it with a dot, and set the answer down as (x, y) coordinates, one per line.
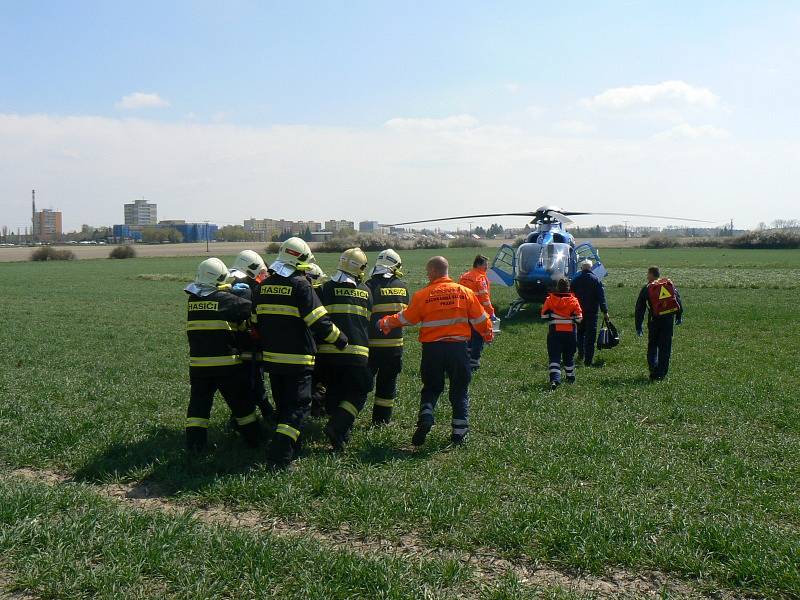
(383, 325)
(341, 342)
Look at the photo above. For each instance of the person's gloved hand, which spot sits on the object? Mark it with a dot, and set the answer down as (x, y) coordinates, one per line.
(383, 325)
(489, 338)
(240, 289)
(341, 342)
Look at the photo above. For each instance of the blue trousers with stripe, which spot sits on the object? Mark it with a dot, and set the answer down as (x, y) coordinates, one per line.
(561, 346)
(450, 359)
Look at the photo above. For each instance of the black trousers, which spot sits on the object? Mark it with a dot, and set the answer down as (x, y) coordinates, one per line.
(291, 391)
(385, 368)
(659, 345)
(234, 390)
(587, 337)
(440, 359)
(345, 384)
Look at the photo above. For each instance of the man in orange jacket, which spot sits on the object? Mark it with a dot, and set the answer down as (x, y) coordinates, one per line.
(446, 313)
(563, 311)
(476, 280)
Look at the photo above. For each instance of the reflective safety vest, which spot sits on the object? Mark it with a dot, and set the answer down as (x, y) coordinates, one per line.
(563, 311)
(288, 315)
(476, 280)
(350, 308)
(212, 325)
(445, 312)
(662, 297)
(389, 295)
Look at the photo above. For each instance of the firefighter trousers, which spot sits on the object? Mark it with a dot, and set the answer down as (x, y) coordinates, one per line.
(234, 390)
(587, 337)
(291, 391)
(385, 369)
(561, 349)
(440, 359)
(659, 345)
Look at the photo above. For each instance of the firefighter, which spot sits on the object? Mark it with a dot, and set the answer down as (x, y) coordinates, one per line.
(563, 311)
(248, 271)
(592, 297)
(446, 313)
(214, 316)
(476, 280)
(345, 371)
(288, 316)
(661, 300)
(316, 276)
(389, 295)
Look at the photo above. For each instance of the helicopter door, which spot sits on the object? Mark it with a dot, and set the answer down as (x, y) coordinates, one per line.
(586, 250)
(503, 267)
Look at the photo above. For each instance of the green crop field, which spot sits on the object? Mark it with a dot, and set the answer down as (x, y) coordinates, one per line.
(613, 486)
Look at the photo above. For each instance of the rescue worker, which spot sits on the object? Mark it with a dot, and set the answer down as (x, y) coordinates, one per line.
(446, 313)
(248, 271)
(288, 315)
(563, 311)
(345, 371)
(661, 300)
(389, 295)
(591, 295)
(214, 315)
(476, 280)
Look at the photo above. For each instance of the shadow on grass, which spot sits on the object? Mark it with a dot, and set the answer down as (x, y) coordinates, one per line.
(618, 382)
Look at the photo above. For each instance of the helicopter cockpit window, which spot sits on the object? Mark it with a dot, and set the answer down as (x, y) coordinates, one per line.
(528, 257)
(555, 259)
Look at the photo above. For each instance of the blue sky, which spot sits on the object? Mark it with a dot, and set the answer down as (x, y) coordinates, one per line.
(301, 80)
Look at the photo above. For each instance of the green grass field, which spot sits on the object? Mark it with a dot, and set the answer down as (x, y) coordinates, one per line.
(692, 483)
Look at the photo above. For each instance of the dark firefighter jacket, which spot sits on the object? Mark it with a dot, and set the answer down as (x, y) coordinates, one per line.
(212, 325)
(350, 307)
(288, 316)
(389, 296)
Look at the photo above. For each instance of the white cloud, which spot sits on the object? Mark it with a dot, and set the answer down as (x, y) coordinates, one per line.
(572, 127)
(454, 122)
(89, 166)
(666, 93)
(534, 111)
(686, 131)
(513, 87)
(138, 100)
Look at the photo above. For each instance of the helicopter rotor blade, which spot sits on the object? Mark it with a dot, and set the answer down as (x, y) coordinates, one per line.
(615, 214)
(560, 217)
(461, 218)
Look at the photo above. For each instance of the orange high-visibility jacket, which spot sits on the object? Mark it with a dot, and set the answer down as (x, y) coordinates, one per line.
(476, 280)
(444, 311)
(563, 310)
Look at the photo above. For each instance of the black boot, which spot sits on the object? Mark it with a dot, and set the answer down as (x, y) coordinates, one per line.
(381, 415)
(421, 433)
(196, 439)
(338, 428)
(280, 451)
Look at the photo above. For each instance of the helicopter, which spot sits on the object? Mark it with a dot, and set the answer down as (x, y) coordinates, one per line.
(548, 253)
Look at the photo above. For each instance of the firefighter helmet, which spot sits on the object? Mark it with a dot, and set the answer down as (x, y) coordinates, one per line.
(212, 271)
(316, 274)
(388, 261)
(250, 263)
(353, 262)
(295, 252)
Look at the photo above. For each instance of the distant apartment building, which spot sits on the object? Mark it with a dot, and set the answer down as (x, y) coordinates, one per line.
(266, 229)
(335, 226)
(371, 227)
(141, 213)
(45, 224)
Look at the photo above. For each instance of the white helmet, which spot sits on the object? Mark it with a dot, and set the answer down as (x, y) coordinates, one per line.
(249, 263)
(353, 261)
(295, 252)
(388, 261)
(316, 274)
(212, 271)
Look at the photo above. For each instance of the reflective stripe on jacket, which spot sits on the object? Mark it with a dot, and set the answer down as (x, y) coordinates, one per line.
(563, 311)
(349, 307)
(445, 311)
(212, 324)
(389, 296)
(478, 282)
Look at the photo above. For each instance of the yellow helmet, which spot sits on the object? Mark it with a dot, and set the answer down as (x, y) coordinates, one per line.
(353, 262)
(295, 252)
(212, 271)
(388, 261)
(250, 263)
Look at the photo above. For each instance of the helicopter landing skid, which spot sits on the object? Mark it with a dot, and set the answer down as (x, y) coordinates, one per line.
(515, 307)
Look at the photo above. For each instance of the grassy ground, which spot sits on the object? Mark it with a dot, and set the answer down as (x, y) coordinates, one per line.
(696, 476)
